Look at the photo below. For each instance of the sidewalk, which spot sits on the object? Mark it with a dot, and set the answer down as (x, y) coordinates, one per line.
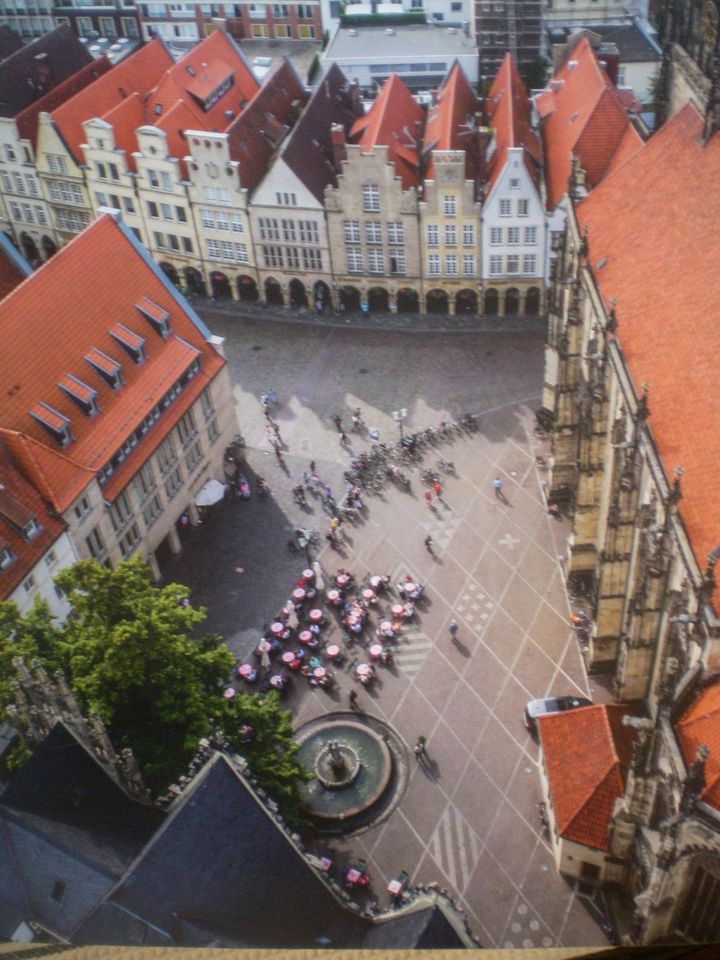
(434, 322)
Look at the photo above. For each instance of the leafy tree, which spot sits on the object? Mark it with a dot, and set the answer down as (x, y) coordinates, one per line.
(535, 75)
(131, 654)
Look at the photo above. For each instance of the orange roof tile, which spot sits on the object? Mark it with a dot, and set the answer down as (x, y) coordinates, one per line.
(586, 754)
(71, 305)
(394, 121)
(137, 73)
(27, 121)
(651, 225)
(699, 726)
(508, 107)
(20, 503)
(451, 122)
(583, 115)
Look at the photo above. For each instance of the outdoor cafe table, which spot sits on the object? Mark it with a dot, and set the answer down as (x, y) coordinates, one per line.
(342, 580)
(277, 681)
(264, 646)
(395, 887)
(398, 610)
(288, 656)
(278, 628)
(229, 693)
(376, 582)
(332, 651)
(333, 596)
(376, 650)
(363, 670)
(320, 673)
(368, 594)
(246, 670)
(316, 615)
(386, 628)
(299, 594)
(305, 636)
(308, 574)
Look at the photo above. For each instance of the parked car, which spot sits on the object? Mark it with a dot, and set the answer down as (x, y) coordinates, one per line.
(540, 708)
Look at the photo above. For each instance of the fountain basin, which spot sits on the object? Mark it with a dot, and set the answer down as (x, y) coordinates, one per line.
(368, 768)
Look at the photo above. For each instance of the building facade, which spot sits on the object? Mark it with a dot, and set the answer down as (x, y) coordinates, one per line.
(186, 23)
(515, 26)
(127, 412)
(689, 34)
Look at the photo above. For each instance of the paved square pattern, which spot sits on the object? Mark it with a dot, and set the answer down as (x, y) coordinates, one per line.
(468, 818)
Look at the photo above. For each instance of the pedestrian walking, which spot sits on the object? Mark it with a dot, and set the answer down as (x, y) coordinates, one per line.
(334, 524)
(338, 423)
(319, 578)
(312, 467)
(453, 628)
(264, 401)
(498, 485)
(421, 747)
(428, 543)
(306, 480)
(327, 489)
(343, 439)
(272, 396)
(276, 431)
(278, 455)
(428, 498)
(437, 487)
(353, 700)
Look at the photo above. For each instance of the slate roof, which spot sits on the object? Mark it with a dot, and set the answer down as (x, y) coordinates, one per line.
(633, 45)
(657, 205)
(63, 817)
(37, 67)
(9, 41)
(27, 120)
(13, 266)
(308, 149)
(586, 754)
(70, 304)
(584, 115)
(699, 726)
(20, 502)
(137, 73)
(508, 109)
(254, 136)
(394, 121)
(450, 122)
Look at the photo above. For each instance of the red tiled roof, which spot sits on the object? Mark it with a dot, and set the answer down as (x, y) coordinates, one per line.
(651, 224)
(70, 306)
(508, 107)
(699, 726)
(394, 121)
(20, 502)
(586, 754)
(451, 122)
(27, 121)
(583, 115)
(137, 73)
(260, 128)
(195, 76)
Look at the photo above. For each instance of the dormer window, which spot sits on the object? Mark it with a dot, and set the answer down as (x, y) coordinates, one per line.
(80, 393)
(31, 529)
(7, 557)
(108, 368)
(132, 343)
(155, 315)
(54, 422)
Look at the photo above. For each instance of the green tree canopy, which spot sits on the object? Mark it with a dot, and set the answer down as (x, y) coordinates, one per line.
(131, 653)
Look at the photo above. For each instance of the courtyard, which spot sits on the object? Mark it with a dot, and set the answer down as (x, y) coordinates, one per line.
(468, 818)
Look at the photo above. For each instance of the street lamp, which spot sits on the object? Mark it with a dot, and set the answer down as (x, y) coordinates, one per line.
(400, 416)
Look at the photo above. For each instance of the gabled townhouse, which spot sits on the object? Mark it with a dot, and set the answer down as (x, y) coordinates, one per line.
(585, 125)
(372, 210)
(514, 223)
(451, 199)
(30, 215)
(204, 91)
(60, 160)
(123, 409)
(287, 212)
(46, 71)
(223, 169)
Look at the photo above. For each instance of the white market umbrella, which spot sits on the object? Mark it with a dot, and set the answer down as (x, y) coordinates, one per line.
(211, 492)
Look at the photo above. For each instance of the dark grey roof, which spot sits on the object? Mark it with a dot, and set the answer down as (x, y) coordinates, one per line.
(308, 149)
(427, 928)
(9, 41)
(36, 68)
(64, 818)
(633, 45)
(220, 862)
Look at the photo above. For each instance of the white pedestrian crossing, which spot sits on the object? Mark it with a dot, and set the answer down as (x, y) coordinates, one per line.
(455, 847)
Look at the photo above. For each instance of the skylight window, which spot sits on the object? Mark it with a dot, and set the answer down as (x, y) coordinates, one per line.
(80, 393)
(108, 368)
(155, 315)
(132, 343)
(7, 558)
(55, 423)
